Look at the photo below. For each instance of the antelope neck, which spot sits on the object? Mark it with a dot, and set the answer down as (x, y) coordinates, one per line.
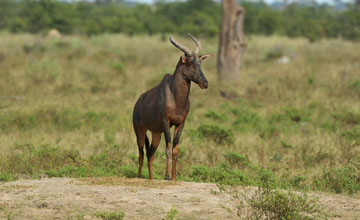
(180, 87)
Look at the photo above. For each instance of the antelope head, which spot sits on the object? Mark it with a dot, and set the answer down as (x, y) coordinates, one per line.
(191, 61)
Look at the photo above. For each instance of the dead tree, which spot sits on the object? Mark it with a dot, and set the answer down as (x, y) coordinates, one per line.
(232, 40)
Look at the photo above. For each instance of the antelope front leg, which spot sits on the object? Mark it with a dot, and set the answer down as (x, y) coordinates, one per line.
(175, 152)
(168, 149)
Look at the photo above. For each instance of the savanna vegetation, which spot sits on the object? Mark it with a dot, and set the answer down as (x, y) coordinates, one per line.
(66, 106)
(199, 17)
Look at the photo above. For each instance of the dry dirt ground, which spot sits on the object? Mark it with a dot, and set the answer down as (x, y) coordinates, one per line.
(64, 198)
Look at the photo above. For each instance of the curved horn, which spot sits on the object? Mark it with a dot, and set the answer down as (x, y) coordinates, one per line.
(179, 46)
(198, 45)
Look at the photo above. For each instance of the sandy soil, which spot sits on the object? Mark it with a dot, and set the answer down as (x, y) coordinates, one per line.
(64, 198)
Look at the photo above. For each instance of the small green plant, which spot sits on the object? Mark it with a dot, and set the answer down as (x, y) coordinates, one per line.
(292, 114)
(45, 70)
(118, 67)
(222, 174)
(352, 135)
(274, 205)
(216, 116)
(110, 216)
(216, 133)
(31, 160)
(347, 117)
(267, 179)
(311, 80)
(297, 181)
(200, 173)
(80, 216)
(171, 214)
(286, 144)
(6, 176)
(274, 53)
(8, 214)
(245, 119)
(297, 115)
(129, 171)
(339, 180)
(268, 131)
(235, 159)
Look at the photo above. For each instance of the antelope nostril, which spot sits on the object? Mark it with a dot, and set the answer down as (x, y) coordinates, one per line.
(206, 85)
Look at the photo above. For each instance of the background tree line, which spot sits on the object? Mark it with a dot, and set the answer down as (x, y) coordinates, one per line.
(200, 17)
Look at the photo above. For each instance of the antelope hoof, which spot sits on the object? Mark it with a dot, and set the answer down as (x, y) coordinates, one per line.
(167, 177)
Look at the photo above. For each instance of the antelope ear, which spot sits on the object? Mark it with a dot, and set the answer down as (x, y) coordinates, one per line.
(204, 57)
(183, 58)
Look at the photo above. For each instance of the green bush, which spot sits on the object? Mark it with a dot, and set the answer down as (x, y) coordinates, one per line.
(267, 179)
(297, 115)
(235, 159)
(347, 117)
(64, 119)
(110, 216)
(245, 119)
(171, 214)
(129, 171)
(219, 174)
(352, 135)
(216, 133)
(6, 176)
(268, 131)
(45, 70)
(31, 160)
(68, 171)
(216, 116)
(274, 53)
(274, 205)
(344, 179)
(119, 68)
(297, 181)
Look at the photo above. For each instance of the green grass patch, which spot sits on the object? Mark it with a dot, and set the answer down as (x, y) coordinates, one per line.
(347, 118)
(351, 135)
(216, 116)
(62, 119)
(344, 179)
(216, 133)
(110, 216)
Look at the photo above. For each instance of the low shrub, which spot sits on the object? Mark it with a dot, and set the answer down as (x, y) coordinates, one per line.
(129, 171)
(216, 133)
(352, 135)
(344, 179)
(347, 117)
(216, 116)
(110, 216)
(30, 160)
(63, 119)
(219, 174)
(171, 214)
(274, 205)
(235, 159)
(6, 177)
(245, 119)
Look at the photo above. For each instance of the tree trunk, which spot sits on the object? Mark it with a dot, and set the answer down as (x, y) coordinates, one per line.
(232, 41)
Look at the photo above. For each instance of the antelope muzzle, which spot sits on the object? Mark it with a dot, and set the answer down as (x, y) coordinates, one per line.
(204, 84)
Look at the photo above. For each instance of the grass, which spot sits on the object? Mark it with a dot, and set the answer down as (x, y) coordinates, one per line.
(110, 216)
(66, 106)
